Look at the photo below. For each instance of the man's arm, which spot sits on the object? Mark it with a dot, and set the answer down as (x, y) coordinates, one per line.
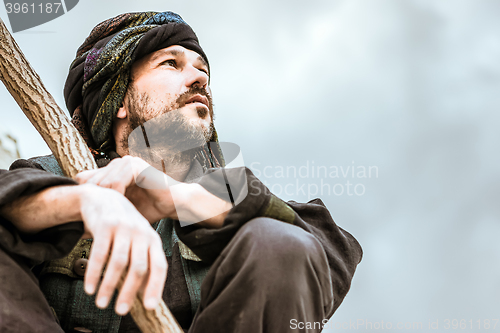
(123, 238)
(156, 195)
(50, 244)
(48, 208)
(207, 239)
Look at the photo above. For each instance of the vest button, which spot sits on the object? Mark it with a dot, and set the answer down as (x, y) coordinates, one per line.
(79, 267)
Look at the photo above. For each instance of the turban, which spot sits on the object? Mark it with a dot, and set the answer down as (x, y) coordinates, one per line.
(99, 76)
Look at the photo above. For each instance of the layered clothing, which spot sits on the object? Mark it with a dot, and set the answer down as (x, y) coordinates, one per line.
(191, 252)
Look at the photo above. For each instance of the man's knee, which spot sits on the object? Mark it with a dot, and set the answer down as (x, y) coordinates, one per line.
(283, 259)
(280, 238)
(276, 264)
(270, 244)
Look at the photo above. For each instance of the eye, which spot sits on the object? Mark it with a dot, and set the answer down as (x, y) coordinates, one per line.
(204, 70)
(170, 62)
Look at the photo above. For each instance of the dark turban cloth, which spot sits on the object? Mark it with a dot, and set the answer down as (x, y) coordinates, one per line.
(99, 76)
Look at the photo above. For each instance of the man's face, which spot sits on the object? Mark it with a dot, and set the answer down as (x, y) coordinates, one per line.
(173, 78)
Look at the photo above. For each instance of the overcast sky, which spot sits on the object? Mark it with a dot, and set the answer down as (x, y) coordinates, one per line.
(409, 88)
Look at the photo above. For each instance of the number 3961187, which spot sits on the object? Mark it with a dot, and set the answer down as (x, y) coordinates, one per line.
(25, 8)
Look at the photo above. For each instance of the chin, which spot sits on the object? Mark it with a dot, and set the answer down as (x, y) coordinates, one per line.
(202, 118)
(200, 123)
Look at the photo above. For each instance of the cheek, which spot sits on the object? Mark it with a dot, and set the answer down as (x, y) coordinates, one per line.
(161, 89)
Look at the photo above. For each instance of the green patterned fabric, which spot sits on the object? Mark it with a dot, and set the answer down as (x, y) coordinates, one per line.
(194, 269)
(74, 308)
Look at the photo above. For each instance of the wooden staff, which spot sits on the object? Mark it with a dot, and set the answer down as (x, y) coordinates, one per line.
(66, 144)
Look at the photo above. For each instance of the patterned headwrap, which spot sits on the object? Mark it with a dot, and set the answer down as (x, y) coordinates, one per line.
(99, 76)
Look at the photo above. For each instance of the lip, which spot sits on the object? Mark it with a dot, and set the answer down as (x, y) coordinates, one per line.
(198, 99)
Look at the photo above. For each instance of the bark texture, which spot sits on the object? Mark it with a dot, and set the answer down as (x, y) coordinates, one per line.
(66, 144)
(39, 106)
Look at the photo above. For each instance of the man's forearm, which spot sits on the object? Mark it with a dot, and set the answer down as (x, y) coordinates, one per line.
(123, 240)
(47, 208)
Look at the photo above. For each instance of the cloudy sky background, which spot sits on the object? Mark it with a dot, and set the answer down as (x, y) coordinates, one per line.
(408, 87)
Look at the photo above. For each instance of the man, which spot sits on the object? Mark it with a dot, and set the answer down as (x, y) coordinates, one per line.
(248, 262)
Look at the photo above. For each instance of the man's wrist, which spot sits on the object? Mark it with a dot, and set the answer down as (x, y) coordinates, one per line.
(183, 196)
(69, 200)
(50, 207)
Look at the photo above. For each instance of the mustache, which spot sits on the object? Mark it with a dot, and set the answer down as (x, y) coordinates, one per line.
(184, 97)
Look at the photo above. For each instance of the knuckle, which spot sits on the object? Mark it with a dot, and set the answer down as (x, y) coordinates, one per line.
(120, 260)
(127, 160)
(126, 228)
(156, 241)
(119, 188)
(160, 265)
(104, 183)
(116, 161)
(145, 230)
(109, 224)
(135, 231)
(151, 233)
(140, 270)
(159, 261)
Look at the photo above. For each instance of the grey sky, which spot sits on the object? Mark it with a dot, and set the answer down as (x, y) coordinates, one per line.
(410, 87)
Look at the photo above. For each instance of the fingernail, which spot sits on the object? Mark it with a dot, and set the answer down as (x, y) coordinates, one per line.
(102, 302)
(151, 303)
(122, 309)
(89, 289)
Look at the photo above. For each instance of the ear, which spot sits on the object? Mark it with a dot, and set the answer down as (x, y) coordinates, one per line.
(122, 112)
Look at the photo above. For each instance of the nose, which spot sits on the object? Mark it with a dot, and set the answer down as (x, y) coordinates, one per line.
(196, 78)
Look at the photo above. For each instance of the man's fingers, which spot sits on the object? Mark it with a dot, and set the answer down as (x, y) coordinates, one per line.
(118, 175)
(137, 272)
(84, 176)
(116, 265)
(95, 177)
(158, 275)
(98, 257)
(117, 180)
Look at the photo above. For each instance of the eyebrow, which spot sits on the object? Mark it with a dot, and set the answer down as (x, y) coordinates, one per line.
(176, 53)
(169, 52)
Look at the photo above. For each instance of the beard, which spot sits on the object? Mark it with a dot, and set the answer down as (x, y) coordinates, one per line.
(165, 135)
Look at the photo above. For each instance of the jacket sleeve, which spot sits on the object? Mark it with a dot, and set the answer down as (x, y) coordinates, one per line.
(255, 200)
(48, 244)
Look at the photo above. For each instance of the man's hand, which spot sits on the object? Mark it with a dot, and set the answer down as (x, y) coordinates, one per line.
(123, 239)
(147, 188)
(156, 195)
